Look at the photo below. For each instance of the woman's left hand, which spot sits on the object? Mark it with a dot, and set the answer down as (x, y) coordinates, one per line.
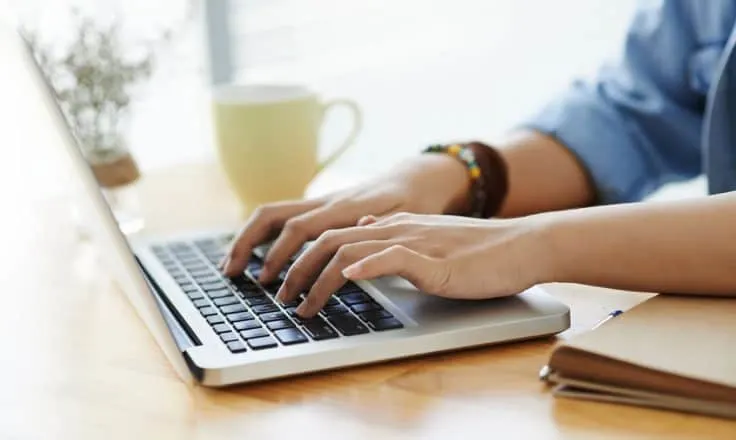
(454, 257)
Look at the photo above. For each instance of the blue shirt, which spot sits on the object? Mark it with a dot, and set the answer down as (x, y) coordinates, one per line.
(665, 112)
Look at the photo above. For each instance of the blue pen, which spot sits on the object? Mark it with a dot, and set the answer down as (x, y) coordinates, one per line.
(545, 372)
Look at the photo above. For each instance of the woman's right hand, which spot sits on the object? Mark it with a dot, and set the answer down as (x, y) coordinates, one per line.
(428, 184)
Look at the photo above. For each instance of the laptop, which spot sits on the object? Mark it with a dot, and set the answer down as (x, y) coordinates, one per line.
(219, 331)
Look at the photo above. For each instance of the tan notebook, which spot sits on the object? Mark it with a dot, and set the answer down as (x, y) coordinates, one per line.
(671, 352)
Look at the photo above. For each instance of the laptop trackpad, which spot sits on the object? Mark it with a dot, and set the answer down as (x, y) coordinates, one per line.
(425, 309)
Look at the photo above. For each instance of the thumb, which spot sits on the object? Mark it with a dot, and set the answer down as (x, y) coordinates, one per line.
(423, 272)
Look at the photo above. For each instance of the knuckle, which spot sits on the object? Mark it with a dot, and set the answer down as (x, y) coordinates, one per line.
(398, 250)
(347, 254)
(328, 239)
(262, 212)
(296, 226)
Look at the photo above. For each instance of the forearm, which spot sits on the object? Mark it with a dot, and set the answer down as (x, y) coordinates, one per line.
(543, 176)
(687, 246)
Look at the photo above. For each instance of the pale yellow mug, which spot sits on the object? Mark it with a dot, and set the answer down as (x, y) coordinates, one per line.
(268, 139)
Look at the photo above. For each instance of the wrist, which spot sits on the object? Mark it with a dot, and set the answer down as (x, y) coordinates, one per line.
(550, 249)
(442, 179)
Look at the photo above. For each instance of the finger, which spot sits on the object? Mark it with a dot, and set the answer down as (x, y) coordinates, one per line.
(264, 222)
(427, 274)
(309, 265)
(303, 228)
(331, 278)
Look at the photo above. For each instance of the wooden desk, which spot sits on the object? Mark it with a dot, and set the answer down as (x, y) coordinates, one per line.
(78, 364)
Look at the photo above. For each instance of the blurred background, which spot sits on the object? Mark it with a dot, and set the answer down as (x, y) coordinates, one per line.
(422, 70)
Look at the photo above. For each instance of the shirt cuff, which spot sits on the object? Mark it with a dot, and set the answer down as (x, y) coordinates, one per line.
(595, 134)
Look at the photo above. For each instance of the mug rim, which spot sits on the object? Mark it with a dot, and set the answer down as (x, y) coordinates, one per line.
(262, 93)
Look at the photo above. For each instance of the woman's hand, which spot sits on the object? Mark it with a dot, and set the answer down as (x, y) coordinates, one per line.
(455, 257)
(429, 184)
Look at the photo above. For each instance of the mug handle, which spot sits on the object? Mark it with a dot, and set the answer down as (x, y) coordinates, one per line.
(350, 139)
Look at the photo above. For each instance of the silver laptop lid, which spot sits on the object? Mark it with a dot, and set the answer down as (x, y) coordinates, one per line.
(20, 70)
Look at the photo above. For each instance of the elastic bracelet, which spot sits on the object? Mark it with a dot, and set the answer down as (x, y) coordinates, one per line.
(487, 172)
(467, 156)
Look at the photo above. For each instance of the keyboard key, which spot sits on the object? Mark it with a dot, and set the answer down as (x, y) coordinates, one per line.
(247, 325)
(215, 319)
(289, 336)
(335, 310)
(202, 272)
(318, 329)
(201, 303)
(255, 292)
(226, 301)
(265, 308)
(236, 346)
(294, 303)
(349, 288)
(178, 246)
(234, 308)
(280, 324)
(258, 300)
(254, 262)
(221, 293)
(195, 295)
(242, 281)
(208, 280)
(206, 243)
(298, 319)
(272, 288)
(364, 307)
(221, 328)
(229, 337)
(189, 259)
(209, 287)
(375, 315)
(385, 324)
(181, 280)
(355, 298)
(240, 316)
(260, 343)
(189, 287)
(348, 325)
(254, 333)
(255, 272)
(208, 311)
(273, 316)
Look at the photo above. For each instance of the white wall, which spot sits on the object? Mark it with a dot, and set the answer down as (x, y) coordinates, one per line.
(423, 71)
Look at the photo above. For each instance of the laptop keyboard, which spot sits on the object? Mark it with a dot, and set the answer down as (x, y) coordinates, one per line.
(244, 313)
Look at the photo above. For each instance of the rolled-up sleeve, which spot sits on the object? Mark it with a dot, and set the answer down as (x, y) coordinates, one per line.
(636, 126)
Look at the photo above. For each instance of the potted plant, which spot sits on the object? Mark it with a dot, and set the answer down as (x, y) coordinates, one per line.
(93, 79)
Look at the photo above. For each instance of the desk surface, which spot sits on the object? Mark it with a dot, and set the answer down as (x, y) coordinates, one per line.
(77, 362)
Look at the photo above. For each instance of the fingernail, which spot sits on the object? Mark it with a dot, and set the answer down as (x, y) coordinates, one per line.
(280, 295)
(301, 309)
(225, 265)
(351, 271)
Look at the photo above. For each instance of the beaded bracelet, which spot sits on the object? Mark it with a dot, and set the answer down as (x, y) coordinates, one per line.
(488, 175)
(466, 155)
